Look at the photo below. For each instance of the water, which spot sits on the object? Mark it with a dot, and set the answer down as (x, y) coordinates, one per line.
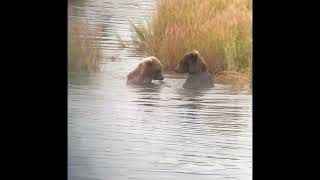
(161, 131)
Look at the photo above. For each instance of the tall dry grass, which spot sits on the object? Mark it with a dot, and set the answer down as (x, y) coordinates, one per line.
(84, 51)
(221, 30)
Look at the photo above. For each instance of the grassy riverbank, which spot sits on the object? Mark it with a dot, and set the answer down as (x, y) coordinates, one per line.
(84, 50)
(221, 30)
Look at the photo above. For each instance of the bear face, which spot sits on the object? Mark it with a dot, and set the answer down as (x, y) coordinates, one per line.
(153, 68)
(149, 69)
(195, 65)
(191, 62)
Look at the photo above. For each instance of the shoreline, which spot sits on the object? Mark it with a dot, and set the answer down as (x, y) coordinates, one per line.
(235, 80)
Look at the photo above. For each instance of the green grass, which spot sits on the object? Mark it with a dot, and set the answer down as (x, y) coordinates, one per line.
(84, 46)
(221, 30)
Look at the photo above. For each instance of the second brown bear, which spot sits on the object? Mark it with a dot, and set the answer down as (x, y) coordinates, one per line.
(195, 65)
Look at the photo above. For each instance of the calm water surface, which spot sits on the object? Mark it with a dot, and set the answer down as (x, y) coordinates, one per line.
(161, 131)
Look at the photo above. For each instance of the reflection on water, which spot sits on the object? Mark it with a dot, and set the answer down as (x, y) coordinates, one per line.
(160, 131)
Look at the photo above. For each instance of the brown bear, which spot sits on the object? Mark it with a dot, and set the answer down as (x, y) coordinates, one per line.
(195, 65)
(149, 69)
